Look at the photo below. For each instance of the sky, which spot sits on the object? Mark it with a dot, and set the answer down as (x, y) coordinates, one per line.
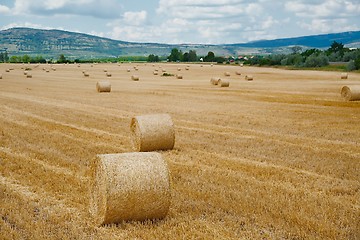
(185, 21)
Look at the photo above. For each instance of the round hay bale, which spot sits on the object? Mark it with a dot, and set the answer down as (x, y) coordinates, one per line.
(25, 73)
(223, 83)
(350, 93)
(135, 78)
(179, 76)
(227, 74)
(249, 77)
(344, 75)
(163, 70)
(29, 75)
(241, 64)
(129, 186)
(108, 74)
(86, 74)
(152, 132)
(54, 69)
(179, 69)
(7, 70)
(212, 65)
(47, 70)
(187, 68)
(105, 70)
(103, 86)
(155, 72)
(0, 76)
(238, 73)
(128, 70)
(215, 80)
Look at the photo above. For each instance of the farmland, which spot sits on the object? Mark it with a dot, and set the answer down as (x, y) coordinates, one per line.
(273, 158)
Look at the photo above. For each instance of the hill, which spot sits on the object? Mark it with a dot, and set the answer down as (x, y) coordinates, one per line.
(52, 43)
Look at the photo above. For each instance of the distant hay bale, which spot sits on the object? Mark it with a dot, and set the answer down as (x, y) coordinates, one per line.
(212, 65)
(135, 78)
(25, 73)
(215, 80)
(128, 70)
(103, 86)
(238, 73)
(179, 76)
(155, 72)
(108, 74)
(86, 74)
(350, 93)
(152, 132)
(344, 75)
(47, 70)
(7, 70)
(179, 69)
(54, 69)
(29, 75)
(0, 76)
(105, 70)
(129, 187)
(223, 83)
(227, 74)
(187, 68)
(249, 77)
(241, 64)
(163, 70)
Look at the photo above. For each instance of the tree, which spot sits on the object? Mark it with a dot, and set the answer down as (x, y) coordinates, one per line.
(192, 56)
(186, 57)
(26, 58)
(210, 57)
(153, 58)
(336, 47)
(175, 55)
(62, 59)
(296, 49)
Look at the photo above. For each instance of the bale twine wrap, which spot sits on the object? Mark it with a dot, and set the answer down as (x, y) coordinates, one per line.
(179, 76)
(135, 78)
(249, 77)
(215, 80)
(129, 186)
(152, 132)
(103, 86)
(227, 74)
(223, 83)
(344, 75)
(350, 93)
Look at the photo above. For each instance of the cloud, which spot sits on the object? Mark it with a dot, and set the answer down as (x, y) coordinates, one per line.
(94, 8)
(4, 10)
(135, 18)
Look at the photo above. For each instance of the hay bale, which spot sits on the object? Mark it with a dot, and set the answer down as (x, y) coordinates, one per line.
(129, 186)
(238, 73)
(187, 68)
(108, 74)
(227, 74)
(223, 83)
(241, 64)
(25, 73)
(7, 70)
(179, 76)
(103, 86)
(350, 93)
(135, 77)
(163, 70)
(344, 75)
(47, 70)
(128, 70)
(155, 72)
(215, 80)
(86, 74)
(249, 77)
(179, 69)
(105, 70)
(0, 76)
(152, 132)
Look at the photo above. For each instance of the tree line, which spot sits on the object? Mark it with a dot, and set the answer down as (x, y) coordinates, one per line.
(177, 55)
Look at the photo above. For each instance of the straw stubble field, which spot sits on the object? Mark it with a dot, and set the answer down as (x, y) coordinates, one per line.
(276, 157)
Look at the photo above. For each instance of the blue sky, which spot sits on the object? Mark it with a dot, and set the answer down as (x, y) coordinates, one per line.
(185, 21)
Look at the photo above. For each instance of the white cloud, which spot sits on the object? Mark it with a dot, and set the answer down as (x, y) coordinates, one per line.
(4, 9)
(135, 18)
(328, 25)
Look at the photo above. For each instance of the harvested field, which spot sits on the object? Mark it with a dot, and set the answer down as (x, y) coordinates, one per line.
(275, 158)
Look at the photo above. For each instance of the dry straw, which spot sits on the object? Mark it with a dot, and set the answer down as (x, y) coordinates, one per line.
(249, 77)
(103, 86)
(223, 83)
(344, 75)
(152, 132)
(227, 74)
(135, 78)
(129, 186)
(350, 93)
(215, 80)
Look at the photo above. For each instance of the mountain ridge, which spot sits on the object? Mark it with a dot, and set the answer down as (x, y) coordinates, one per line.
(52, 43)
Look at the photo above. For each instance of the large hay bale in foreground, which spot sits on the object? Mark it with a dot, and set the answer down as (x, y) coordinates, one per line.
(135, 78)
(215, 80)
(129, 186)
(223, 83)
(249, 77)
(103, 86)
(152, 132)
(350, 93)
(344, 75)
